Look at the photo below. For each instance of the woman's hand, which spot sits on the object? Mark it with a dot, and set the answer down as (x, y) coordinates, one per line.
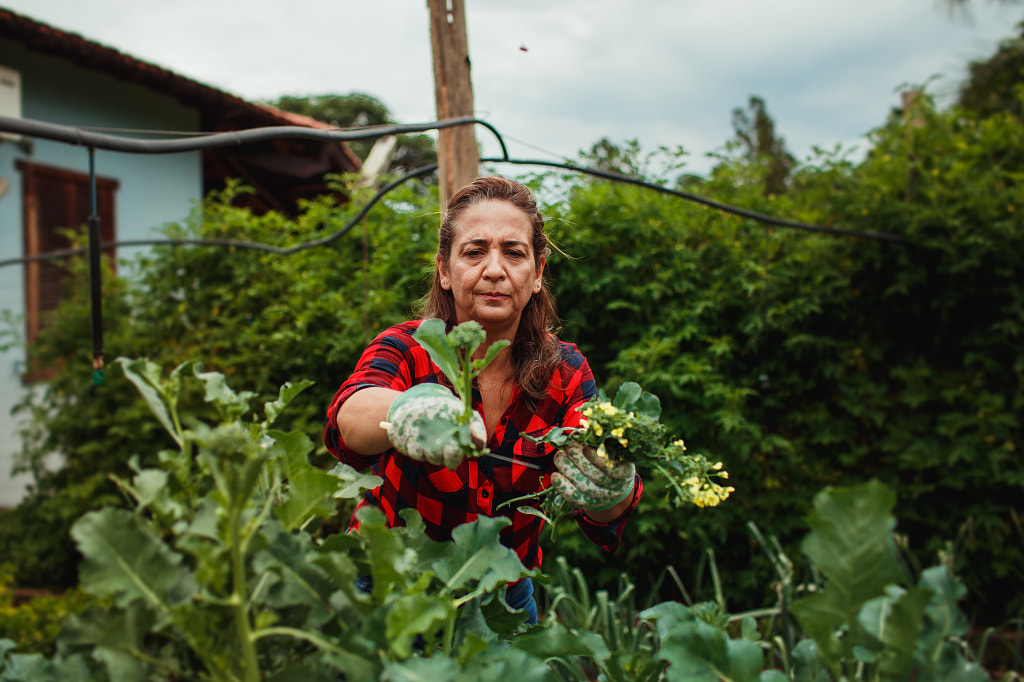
(423, 424)
(589, 479)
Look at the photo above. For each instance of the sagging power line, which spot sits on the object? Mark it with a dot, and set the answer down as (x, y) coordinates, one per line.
(93, 140)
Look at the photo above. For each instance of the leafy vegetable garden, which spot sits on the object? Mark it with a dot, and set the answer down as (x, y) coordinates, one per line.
(215, 574)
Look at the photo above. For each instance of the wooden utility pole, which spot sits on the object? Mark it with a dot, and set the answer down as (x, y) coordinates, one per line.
(458, 158)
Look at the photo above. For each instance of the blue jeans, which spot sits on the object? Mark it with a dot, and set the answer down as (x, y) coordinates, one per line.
(520, 596)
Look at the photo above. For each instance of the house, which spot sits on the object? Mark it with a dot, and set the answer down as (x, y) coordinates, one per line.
(50, 75)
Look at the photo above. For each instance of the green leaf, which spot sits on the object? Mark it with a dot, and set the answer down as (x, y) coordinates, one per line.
(498, 615)
(116, 637)
(6, 645)
(479, 557)
(492, 352)
(303, 672)
(147, 378)
(649, 404)
(421, 670)
(701, 652)
(472, 645)
(299, 582)
(772, 675)
(354, 482)
(963, 671)
(310, 490)
(391, 562)
(748, 629)
(851, 544)
(286, 395)
(355, 667)
(667, 616)
(229, 404)
(895, 621)
(506, 664)
(533, 511)
(807, 663)
(153, 492)
(627, 395)
(411, 615)
(124, 559)
(556, 641)
(30, 668)
(944, 614)
(431, 335)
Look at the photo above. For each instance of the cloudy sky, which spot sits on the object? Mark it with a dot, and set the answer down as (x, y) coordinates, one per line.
(666, 72)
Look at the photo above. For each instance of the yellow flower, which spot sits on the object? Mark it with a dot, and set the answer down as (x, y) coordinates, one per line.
(680, 444)
(618, 433)
(717, 466)
(624, 442)
(597, 428)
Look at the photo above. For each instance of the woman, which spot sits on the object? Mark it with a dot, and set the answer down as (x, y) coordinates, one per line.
(489, 268)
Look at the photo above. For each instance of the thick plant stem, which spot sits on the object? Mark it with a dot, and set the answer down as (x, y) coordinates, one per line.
(467, 386)
(250, 670)
(449, 633)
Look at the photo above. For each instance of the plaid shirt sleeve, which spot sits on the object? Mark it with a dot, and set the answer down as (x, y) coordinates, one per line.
(446, 499)
(608, 535)
(393, 360)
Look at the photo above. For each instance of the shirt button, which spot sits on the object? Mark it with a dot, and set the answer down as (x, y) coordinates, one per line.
(504, 420)
(485, 494)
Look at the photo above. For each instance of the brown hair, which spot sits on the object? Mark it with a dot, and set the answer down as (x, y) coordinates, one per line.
(535, 351)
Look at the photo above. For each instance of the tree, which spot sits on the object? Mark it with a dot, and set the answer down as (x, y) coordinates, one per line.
(607, 156)
(755, 130)
(359, 110)
(995, 83)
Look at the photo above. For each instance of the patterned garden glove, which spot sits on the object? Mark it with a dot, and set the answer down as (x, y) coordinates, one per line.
(423, 424)
(589, 479)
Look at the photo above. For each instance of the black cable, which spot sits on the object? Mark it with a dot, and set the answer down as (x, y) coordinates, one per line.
(115, 143)
(87, 138)
(258, 246)
(742, 212)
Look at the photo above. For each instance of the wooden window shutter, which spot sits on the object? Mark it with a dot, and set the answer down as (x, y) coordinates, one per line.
(55, 201)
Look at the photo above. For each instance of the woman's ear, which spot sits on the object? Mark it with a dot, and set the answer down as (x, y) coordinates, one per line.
(442, 271)
(538, 281)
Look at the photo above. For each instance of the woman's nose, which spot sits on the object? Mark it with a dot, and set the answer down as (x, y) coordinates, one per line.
(492, 266)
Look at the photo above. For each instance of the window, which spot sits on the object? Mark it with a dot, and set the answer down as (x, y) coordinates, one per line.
(54, 201)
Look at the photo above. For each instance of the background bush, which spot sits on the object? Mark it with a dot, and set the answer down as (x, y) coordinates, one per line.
(799, 359)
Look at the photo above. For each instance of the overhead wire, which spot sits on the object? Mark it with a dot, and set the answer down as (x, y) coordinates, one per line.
(92, 140)
(82, 136)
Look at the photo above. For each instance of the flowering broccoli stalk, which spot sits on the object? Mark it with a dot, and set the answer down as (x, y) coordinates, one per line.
(453, 355)
(627, 428)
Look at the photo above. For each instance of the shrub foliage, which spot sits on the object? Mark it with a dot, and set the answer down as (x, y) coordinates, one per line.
(799, 359)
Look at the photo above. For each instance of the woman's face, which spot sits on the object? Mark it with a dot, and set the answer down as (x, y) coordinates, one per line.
(491, 272)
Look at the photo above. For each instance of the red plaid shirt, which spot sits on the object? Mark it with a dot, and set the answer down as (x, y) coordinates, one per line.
(446, 499)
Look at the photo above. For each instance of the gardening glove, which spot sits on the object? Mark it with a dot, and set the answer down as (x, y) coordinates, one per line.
(589, 479)
(423, 423)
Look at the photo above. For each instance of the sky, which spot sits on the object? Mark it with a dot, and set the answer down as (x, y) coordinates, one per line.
(556, 76)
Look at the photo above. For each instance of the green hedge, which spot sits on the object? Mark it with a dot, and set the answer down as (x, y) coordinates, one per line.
(798, 359)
